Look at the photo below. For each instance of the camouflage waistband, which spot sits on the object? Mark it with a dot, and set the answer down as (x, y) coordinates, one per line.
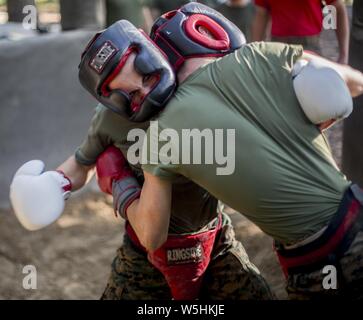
(332, 243)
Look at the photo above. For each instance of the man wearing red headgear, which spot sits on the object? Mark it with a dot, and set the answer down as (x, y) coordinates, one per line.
(274, 99)
(215, 268)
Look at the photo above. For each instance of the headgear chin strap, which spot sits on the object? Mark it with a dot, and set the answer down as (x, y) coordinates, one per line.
(104, 58)
(179, 34)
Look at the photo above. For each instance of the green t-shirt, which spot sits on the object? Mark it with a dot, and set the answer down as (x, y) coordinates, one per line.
(242, 17)
(192, 206)
(285, 178)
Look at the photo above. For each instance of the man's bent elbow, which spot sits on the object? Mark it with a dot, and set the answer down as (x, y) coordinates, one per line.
(153, 241)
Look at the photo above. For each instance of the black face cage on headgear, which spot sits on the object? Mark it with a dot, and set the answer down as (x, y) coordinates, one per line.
(179, 34)
(104, 58)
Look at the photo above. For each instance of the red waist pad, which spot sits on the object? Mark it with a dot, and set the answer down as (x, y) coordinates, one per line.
(183, 260)
(323, 251)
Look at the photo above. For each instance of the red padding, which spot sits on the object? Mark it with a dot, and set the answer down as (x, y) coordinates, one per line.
(221, 39)
(169, 14)
(184, 272)
(329, 247)
(104, 88)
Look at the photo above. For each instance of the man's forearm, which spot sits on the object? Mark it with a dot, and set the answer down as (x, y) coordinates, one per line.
(259, 25)
(150, 214)
(352, 77)
(342, 31)
(148, 224)
(355, 82)
(78, 174)
(148, 19)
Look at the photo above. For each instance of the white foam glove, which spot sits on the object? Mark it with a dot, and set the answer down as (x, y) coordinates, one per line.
(38, 197)
(321, 91)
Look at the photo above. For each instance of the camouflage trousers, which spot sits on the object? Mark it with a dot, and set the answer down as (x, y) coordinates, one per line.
(347, 271)
(230, 274)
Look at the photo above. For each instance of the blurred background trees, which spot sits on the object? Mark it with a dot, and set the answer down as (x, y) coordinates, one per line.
(15, 9)
(82, 14)
(73, 14)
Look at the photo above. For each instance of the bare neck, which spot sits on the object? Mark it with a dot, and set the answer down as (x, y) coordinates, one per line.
(190, 66)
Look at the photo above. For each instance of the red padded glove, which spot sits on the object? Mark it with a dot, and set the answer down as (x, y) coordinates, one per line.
(115, 177)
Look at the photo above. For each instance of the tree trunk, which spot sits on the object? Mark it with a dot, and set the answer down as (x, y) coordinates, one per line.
(15, 9)
(89, 14)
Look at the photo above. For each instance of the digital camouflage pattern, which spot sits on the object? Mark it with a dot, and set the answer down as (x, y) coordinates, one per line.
(230, 274)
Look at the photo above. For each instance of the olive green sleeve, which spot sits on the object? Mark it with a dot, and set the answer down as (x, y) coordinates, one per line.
(279, 53)
(97, 139)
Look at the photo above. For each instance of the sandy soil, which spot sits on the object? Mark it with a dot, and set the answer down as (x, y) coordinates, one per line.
(73, 256)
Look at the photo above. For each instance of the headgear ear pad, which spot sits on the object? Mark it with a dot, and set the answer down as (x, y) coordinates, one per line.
(180, 34)
(105, 56)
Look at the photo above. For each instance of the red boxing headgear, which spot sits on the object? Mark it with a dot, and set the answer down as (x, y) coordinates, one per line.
(105, 56)
(179, 34)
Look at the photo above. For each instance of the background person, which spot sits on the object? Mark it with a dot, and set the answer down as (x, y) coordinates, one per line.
(300, 22)
(240, 12)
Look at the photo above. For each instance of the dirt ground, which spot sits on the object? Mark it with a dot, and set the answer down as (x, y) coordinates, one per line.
(73, 256)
